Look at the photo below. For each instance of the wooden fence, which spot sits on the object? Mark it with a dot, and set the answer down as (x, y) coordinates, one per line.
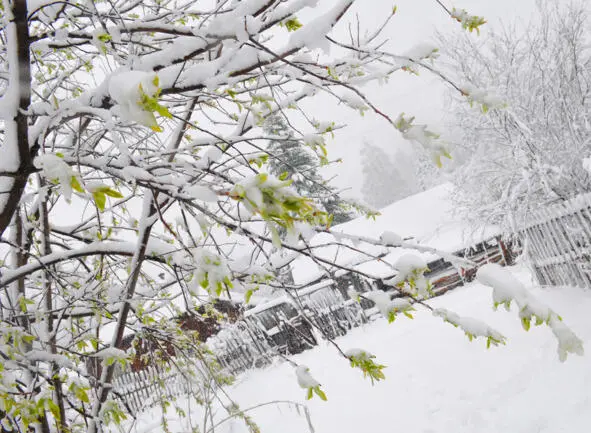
(557, 241)
(241, 346)
(145, 388)
(285, 326)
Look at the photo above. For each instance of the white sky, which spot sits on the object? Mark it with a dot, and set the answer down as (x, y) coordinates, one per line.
(416, 22)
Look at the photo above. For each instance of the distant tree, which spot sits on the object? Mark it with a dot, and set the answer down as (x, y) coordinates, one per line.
(534, 87)
(292, 156)
(383, 182)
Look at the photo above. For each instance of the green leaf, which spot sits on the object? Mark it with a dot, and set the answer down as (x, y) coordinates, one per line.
(100, 199)
(391, 316)
(228, 282)
(75, 184)
(526, 323)
(275, 238)
(163, 111)
(438, 161)
(112, 193)
(23, 302)
(365, 363)
(262, 178)
(81, 395)
(248, 295)
(310, 394)
(53, 408)
(104, 37)
(292, 24)
(150, 104)
(100, 196)
(320, 393)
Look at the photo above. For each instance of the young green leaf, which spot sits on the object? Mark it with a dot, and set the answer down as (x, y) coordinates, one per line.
(320, 393)
(100, 199)
(75, 184)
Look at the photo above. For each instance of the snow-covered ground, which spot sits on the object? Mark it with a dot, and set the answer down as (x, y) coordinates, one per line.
(436, 380)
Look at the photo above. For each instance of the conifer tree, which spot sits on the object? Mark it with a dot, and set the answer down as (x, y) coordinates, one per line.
(288, 154)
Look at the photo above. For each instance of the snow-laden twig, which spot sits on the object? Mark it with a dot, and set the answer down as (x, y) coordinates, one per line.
(506, 289)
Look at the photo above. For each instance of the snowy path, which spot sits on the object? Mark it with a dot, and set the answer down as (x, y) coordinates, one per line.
(437, 381)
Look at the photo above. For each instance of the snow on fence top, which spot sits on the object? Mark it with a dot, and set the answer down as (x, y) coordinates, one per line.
(426, 217)
(557, 210)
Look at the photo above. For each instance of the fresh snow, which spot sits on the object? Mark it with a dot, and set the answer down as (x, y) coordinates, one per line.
(126, 88)
(111, 352)
(407, 263)
(436, 380)
(200, 192)
(55, 168)
(392, 239)
(312, 34)
(304, 377)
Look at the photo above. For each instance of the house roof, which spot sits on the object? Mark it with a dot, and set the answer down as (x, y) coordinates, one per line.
(427, 218)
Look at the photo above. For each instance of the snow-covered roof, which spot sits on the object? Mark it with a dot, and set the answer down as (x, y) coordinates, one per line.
(427, 217)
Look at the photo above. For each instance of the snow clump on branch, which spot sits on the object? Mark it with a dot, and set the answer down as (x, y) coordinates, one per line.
(506, 289)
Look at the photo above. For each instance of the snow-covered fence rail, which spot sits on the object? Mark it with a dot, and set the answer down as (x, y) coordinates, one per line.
(141, 389)
(557, 241)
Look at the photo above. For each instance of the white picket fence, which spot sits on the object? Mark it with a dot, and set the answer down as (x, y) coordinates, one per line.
(557, 241)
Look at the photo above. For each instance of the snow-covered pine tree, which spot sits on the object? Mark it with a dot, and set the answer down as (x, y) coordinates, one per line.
(383, 182)
(288, 154)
